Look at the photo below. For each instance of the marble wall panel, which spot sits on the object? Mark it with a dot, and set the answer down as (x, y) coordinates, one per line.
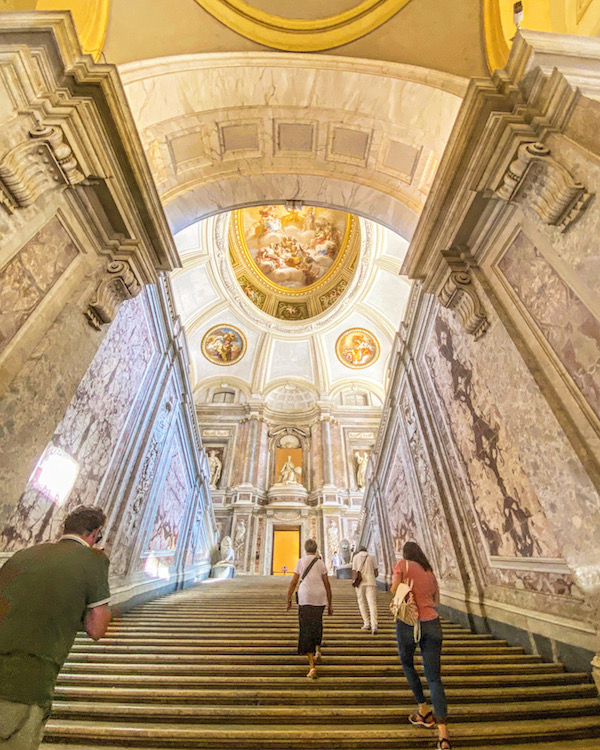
(441, 549)
(92, 426)
(399, 501)
(172, 505)
(509, 513)
(28, 277)
(566, 323)
(136, 503)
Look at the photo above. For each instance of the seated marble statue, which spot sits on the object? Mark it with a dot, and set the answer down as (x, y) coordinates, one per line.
(289, 473)
(224, 567)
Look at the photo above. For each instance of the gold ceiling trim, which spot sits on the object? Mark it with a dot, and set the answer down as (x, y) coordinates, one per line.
(299, 34)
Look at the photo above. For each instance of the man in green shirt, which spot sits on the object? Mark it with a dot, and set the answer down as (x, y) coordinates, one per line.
(47, 594)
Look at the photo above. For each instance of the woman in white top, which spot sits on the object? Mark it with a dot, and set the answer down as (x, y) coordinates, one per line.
(314, 593)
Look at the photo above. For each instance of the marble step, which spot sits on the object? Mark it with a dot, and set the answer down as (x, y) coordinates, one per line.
(351, 682)
(257, 651)
(384, 645)
(293, 714)
(320, 736)
(287, 658)
(286, 694)
(243, 671)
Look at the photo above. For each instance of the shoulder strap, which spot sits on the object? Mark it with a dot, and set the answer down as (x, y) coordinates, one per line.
(307, 571)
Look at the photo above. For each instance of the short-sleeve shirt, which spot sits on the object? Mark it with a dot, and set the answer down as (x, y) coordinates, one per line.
(364, 562)
(424, 587)
(45, 592)
(312, 589)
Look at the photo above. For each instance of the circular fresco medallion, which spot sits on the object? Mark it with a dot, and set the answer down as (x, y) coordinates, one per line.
(223, 345)
(357, 348)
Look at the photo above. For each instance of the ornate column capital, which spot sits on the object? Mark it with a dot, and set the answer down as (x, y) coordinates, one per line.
(119, 283)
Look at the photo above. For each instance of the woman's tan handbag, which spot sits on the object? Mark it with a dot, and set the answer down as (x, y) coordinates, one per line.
(404, 607)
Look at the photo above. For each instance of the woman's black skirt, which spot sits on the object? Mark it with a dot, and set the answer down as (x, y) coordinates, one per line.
(310, 619)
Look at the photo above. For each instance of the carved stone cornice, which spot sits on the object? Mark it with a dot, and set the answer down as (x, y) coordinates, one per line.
(460, 295)
(560, 198)
(118, 284)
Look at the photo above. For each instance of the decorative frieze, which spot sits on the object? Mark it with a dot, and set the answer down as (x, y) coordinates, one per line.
(119, 283)
(560, 198)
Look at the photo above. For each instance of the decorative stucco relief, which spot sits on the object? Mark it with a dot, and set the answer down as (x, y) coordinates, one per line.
(130, 525)
(171, 509)
(28, 277)
(508, 509)
(91, 429)
(399, 501)
(566, 323)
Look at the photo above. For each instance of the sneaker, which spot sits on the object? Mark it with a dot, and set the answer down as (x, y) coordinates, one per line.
(374, 631)
(317, 655)
(422, 721)
(312, 673)
(365, 627)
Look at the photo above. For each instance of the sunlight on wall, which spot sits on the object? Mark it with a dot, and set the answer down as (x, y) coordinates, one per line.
(55, 474)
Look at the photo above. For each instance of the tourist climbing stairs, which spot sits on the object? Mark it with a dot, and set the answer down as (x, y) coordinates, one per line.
(215, 667)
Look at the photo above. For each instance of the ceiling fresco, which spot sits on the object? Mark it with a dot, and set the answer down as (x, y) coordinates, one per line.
(293, 263)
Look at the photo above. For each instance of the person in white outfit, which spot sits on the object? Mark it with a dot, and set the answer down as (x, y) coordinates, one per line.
(364, 564)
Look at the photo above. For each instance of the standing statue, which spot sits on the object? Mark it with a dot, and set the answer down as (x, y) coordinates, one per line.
(362, 459)
(215, 466)
(289, 473)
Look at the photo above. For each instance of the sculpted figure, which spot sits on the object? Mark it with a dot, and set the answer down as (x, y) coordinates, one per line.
(362, 459)
(345, 552)
(333, 536)
(215, 466)
(227, 553)
(289, 473)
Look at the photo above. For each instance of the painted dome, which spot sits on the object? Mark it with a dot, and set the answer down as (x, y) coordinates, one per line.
(293, 263)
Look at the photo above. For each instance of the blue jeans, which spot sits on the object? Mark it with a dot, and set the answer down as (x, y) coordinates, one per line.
(431, 650)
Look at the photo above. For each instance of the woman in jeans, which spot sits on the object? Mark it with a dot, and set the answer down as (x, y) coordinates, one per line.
(415, 568)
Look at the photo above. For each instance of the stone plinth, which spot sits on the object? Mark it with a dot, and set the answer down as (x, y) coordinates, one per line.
(290, 494)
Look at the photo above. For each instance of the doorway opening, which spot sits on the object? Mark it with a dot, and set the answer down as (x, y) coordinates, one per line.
(286, 550)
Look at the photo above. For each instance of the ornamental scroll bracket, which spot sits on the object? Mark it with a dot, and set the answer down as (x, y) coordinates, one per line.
(560, 199)
(35, 166)
(460, 295)
(119, 284)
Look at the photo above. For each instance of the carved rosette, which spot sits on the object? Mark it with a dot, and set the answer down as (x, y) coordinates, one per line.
(561, 198)
(120, 283)
(459, 295)
(35, 166)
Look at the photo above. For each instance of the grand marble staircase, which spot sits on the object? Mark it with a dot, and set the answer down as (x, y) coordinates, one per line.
(215, 667)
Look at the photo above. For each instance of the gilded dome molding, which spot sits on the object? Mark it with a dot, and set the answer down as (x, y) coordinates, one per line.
(300, 34)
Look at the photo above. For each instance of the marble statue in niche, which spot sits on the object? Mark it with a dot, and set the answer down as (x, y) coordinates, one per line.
(362, 460)
(289, 473)
(215, 467)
